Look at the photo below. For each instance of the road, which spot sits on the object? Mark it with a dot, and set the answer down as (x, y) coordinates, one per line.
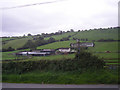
(15, 85)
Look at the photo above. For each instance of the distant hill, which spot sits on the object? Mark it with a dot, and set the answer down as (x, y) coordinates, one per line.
(92, 34)
(58, 37)
(17, 43)
(96, 34)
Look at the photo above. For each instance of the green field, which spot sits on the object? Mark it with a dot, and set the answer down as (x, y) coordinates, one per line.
(98, 34)
(91, 35)
(99, 47)
(58, 37)
(17, 43)
(10, 55)
(56, 45)
(105, 46)
(6, 39)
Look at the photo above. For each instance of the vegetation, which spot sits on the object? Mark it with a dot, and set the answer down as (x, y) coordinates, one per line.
(17, 43)
(82, 68)
(60, 71)
(49, 77)
(96, 34)
(64, 35)
(105, 46)
(82, 61)
(56, 45)
(8, 49)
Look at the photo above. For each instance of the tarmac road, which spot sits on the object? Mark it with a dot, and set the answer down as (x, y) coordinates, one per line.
(16, 85)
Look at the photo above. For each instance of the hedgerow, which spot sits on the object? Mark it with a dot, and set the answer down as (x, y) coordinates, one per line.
(81, 62)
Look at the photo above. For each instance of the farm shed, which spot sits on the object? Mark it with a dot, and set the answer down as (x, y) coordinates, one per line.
(33, 53)
(82, 44)
(64, 50)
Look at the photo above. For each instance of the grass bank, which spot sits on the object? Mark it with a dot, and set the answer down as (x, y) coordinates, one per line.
(74, 77)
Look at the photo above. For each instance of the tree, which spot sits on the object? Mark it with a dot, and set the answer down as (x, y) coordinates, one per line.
(64, 39)
(30, 45)
(51, 39)
(71, 30)
(29, 34)
(89, 61)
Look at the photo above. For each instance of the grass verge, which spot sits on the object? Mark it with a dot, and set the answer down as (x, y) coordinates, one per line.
(74, 77)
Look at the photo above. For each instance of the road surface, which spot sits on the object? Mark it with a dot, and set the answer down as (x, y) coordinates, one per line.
(15, 85)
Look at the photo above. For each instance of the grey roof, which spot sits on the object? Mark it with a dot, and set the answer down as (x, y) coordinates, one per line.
(82, 44)
(24, 53)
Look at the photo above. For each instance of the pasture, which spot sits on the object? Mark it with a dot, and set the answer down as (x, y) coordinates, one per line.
(58, 37)
(55, 45)
(17, 43)
(98, 34)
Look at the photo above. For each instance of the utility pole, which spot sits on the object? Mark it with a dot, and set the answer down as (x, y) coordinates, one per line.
(78, 45)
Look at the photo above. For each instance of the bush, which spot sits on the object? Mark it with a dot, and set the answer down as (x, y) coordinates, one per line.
(8, 49)
(80, 63)
(83, 61)
(89, 61)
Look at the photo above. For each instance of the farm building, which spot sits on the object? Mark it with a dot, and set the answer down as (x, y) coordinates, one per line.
(40, 52)
(82, 44)
(52, 51)
(33, 53)
(66, 50)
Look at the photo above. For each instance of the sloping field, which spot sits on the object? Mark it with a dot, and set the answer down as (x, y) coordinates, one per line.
(18, 43)
(5, 39)
(56, 45)
(58, 37)
(105, 46)
(98, 34)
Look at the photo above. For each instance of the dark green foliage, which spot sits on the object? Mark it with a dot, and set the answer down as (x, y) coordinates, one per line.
(72, 77)
(51, 39)
(82, 62)
(87, 60)
(30, 45)
(8, 49)
(64, 39)
(29, 34)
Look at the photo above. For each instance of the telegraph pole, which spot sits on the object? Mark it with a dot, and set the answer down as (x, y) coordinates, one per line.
(78, 45)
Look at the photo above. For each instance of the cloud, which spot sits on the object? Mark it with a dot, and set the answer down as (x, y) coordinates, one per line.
(76, 14)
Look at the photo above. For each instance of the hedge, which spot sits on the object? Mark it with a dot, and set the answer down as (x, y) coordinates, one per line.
(52, 65)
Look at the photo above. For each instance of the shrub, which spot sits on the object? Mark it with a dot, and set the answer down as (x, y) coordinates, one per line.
(8, 49)
(82, 62)
(87, 60)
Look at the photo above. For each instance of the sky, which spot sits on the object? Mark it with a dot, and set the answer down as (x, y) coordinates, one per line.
(52, 17)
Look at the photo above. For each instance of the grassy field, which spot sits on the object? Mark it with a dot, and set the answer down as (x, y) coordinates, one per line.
(90, 35)
(10, 55)
(96, 77)
(56, 45)
(6, 39)
(98, 34)
(17, 43)
(107, 55)
(105, 46)
(58, 37)
(99, 47)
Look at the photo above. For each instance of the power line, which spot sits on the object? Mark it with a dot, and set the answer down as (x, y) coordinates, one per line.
(30, 5)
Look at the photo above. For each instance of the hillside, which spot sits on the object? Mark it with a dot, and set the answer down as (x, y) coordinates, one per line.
(56, 45)
(98, 34)
(58, 37)
(93, 34)
(17, 43)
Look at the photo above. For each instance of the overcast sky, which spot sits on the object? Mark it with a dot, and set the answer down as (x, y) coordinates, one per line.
(62, 15)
